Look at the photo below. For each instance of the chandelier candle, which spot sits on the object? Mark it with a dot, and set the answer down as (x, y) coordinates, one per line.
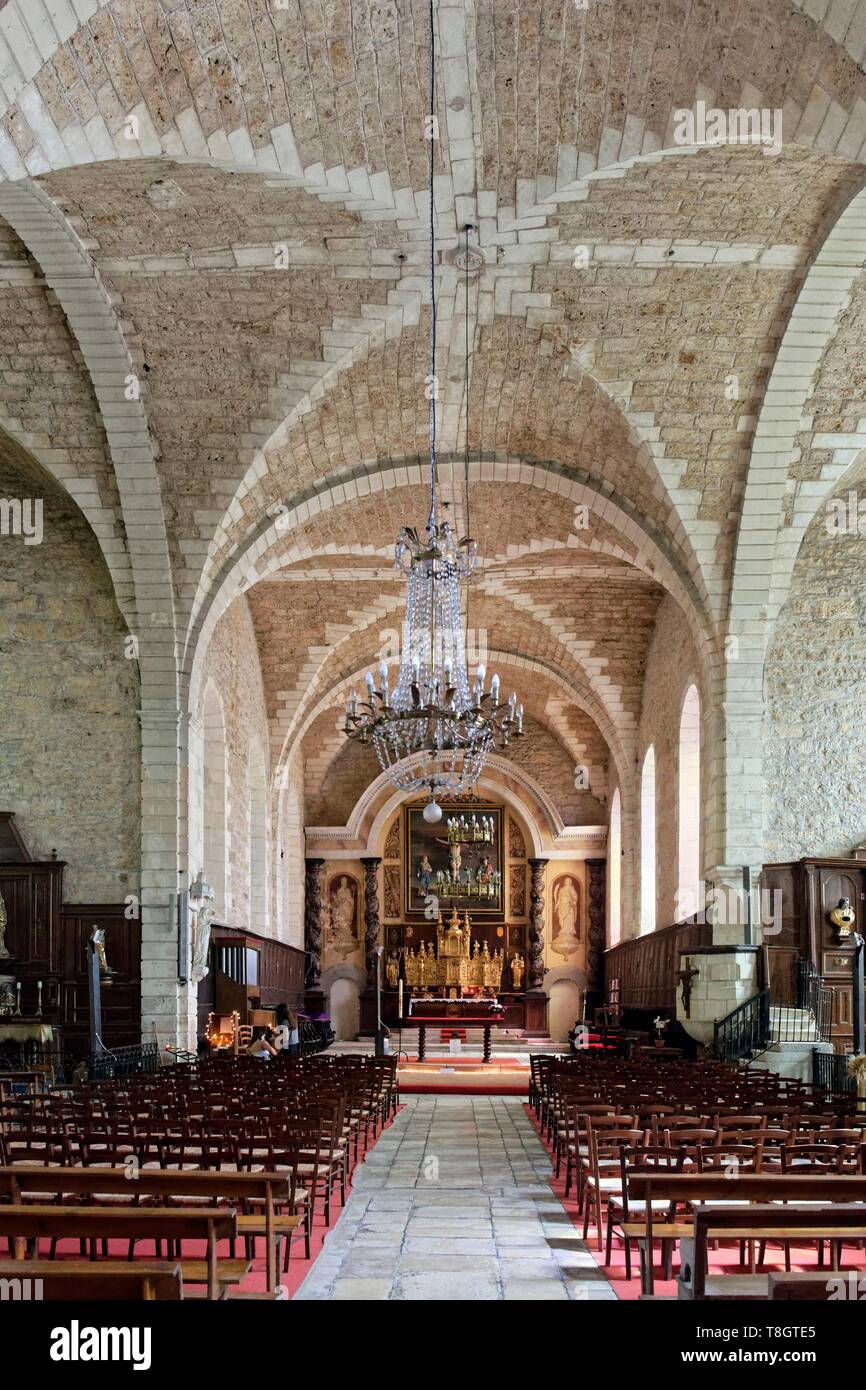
(432, 731)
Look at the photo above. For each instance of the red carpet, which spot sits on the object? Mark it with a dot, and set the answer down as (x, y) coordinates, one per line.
(723, 1260)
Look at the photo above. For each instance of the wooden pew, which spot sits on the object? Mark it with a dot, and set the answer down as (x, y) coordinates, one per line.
(688, 1188)
(211, 1224)
(166, 1184)
(798, 1288)
(80, 1280)
(791, 1225)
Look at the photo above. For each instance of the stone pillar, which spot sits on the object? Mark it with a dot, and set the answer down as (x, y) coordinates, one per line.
(314, 999)
(167, 1007)
(535, 997)
(595, 944)
(371, 945)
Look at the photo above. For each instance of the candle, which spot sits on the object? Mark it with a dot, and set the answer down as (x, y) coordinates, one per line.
(399, 998)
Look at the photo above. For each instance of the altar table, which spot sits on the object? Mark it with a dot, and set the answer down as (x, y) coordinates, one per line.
(455, 1008)
(485, 1021)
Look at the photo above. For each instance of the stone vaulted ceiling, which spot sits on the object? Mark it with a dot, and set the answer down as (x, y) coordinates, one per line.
(225, 202)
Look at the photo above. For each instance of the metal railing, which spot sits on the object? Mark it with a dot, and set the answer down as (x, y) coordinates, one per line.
(830, 1072)
(135, 1060)
(745, 1031)
(138, 1060)
(810, 1019)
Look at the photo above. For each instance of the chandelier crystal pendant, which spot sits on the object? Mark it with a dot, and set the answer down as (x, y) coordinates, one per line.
(433, 731)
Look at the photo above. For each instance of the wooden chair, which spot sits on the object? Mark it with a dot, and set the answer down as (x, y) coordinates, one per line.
(602, 1175)
(626, 1214)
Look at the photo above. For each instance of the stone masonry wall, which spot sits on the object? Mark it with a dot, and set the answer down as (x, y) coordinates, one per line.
(70, 750)
(815, 755)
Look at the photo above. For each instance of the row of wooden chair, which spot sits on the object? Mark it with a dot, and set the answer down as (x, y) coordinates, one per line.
(305, 1123)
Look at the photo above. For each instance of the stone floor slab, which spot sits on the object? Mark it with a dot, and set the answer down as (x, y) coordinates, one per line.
(486, 1226)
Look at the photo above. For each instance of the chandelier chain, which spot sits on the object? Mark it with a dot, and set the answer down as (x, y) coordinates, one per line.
(435, 729)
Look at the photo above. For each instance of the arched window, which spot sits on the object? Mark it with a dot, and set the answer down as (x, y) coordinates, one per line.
(258, 843)
(648, 843)
(689, 834)
(614, 870)
(214, 799)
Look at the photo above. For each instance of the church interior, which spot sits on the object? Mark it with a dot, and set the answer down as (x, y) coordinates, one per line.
(432, 640)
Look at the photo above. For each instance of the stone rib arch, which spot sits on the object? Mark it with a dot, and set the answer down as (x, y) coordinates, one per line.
(74, 279)
(312, 678)
(71, 275)
(698, 564)
(35, 35)
(766, 548)
(621, 749)
(261, 558)
(379, 801)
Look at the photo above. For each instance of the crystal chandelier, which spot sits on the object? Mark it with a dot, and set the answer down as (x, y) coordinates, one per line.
(432, 731)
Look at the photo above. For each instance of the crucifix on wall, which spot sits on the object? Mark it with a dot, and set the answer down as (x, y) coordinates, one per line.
(685, 978)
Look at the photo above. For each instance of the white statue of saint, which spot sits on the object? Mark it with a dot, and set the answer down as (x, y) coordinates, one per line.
(343, 937)
(565, 907)
(201, 942)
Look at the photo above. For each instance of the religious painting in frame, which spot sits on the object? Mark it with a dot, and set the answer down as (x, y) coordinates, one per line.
(461, 867)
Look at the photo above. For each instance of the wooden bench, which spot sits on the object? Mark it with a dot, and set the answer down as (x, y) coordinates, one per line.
(797, 1288)
(791, 1225)
(693, 1188)
(74, 1280)
(32, 1222)
(166, 1184)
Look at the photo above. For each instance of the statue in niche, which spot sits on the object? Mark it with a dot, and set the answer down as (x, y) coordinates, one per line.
(566, 905)
(4, 950)
(344, 912)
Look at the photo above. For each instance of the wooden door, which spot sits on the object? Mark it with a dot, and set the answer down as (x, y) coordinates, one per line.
(784, 930)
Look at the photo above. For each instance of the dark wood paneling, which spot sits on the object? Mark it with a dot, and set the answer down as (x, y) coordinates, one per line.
(33, 894)
(281, 974)
(646, 966)
(811, 889)
(121, 999)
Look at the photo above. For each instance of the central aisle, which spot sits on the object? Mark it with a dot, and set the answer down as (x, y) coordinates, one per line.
(453, 1202)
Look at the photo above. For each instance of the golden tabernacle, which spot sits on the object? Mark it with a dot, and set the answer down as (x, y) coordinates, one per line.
(454, 964)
